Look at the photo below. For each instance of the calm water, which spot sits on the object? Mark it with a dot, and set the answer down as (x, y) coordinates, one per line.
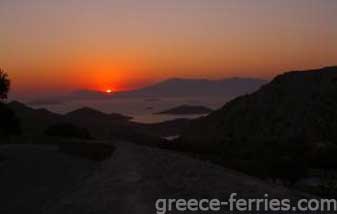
(141, 109)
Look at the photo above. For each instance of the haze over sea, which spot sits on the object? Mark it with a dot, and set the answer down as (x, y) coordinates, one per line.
(141, 109)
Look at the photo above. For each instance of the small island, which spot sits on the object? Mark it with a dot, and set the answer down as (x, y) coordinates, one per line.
(187, 109)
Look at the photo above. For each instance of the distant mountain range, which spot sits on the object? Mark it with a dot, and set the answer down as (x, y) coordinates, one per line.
(176, 87)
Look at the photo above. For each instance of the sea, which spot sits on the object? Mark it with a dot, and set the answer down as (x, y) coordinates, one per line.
(141, 109)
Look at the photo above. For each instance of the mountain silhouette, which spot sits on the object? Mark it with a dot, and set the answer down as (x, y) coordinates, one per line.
(92, 114)
(177, 87)
(297, 106)
(34, 121)
(281, 132)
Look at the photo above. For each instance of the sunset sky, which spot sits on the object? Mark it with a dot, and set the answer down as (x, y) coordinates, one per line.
(54, 46)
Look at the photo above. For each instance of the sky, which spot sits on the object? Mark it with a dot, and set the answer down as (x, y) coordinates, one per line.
(49, 46)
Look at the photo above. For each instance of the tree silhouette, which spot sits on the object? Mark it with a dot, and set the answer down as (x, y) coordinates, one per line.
(4, 85)
(9, 123)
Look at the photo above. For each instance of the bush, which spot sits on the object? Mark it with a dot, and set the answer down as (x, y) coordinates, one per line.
(9, 123)
(67, 130)
(4, 85)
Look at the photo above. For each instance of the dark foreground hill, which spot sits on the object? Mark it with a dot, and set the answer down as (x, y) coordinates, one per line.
(282, 130)
(296, 106)
(98, 123)
(34, 121)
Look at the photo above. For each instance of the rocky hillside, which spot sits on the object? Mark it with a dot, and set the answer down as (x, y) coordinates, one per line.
(281, 132)
(297, 106)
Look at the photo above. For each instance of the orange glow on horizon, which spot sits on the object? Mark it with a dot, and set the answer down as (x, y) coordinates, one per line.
(112, 44)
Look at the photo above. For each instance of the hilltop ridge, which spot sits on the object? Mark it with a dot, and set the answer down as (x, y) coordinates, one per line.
(298, 105)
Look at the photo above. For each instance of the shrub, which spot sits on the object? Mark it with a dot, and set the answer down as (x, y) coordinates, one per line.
(4, 85)
(9, 123)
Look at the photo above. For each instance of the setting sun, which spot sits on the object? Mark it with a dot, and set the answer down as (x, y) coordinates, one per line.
(109, 91)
